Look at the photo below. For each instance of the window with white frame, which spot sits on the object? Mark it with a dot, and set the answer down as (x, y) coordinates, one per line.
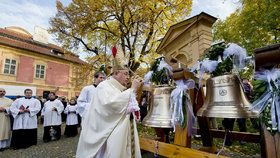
(10, 66)
(40, 71)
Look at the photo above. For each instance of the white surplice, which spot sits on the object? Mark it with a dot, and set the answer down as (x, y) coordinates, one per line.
(72, 118)
(51, 117)
(26, 120)
(5, 125)
(106, 129)
(84, 99)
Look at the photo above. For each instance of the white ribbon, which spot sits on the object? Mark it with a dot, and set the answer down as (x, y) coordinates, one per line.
(132, 104)
(272, 78)
(261, 103)
(163, 64)
(148, 77)
(204, 66)
(277, 105)
(176, 100)
(239, 54)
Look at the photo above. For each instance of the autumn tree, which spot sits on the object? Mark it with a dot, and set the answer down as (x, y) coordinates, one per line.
(135, 25)
(255, 24)
(81, 75)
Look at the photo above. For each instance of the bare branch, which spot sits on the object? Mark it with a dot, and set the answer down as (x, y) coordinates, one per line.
(79, 39)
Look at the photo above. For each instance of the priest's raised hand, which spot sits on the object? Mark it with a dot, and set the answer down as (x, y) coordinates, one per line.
(136, 82)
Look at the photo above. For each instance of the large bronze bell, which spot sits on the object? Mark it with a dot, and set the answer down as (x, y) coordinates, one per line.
(225, 99)
(159, 114)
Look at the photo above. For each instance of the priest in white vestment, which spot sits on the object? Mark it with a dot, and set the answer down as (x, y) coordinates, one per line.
(52, 118)
(108, 131)
(5, 125)
(87, 93)
(24, 110)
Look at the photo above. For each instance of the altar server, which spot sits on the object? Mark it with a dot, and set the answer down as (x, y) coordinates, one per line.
(72, 119)
(52, 118)
(24, 110)
(87, 94)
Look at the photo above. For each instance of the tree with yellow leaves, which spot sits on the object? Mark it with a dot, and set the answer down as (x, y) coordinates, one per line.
(136, 25)
(255, 24)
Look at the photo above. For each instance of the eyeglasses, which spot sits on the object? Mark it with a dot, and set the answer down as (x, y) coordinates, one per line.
(2, 91)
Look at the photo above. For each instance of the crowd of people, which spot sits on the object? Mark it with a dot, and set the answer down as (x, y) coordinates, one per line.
(19, 119)
(103, 112)
(108, 112)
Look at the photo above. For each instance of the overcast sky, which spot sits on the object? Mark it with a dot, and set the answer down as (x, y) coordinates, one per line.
(30, 13)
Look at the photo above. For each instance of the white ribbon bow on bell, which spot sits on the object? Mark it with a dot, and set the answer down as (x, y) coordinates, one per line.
(272, 78)
(176, 100)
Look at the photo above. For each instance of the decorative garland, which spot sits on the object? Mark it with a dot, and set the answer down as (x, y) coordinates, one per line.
(160, 73)
(221, 59)
(215, 53)
(267, 98)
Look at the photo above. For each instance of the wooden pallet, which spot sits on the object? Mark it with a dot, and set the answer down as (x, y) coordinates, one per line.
(172, 150)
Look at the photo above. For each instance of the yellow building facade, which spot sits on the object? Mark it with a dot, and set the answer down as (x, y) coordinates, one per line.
(42, 67)
(186, 41)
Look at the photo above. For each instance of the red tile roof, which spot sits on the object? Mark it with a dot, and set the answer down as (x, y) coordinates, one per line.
(21, 41)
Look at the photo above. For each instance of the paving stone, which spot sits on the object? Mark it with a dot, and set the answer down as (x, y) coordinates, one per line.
(63, 148)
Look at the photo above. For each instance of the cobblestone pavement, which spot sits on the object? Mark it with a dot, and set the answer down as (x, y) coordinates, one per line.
(63, 148)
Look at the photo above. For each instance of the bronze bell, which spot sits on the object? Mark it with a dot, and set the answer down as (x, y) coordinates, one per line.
(225, 98)
(159, 112)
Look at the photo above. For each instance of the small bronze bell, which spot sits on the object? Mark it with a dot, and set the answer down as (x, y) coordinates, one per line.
(159, 114)
(225, 99)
